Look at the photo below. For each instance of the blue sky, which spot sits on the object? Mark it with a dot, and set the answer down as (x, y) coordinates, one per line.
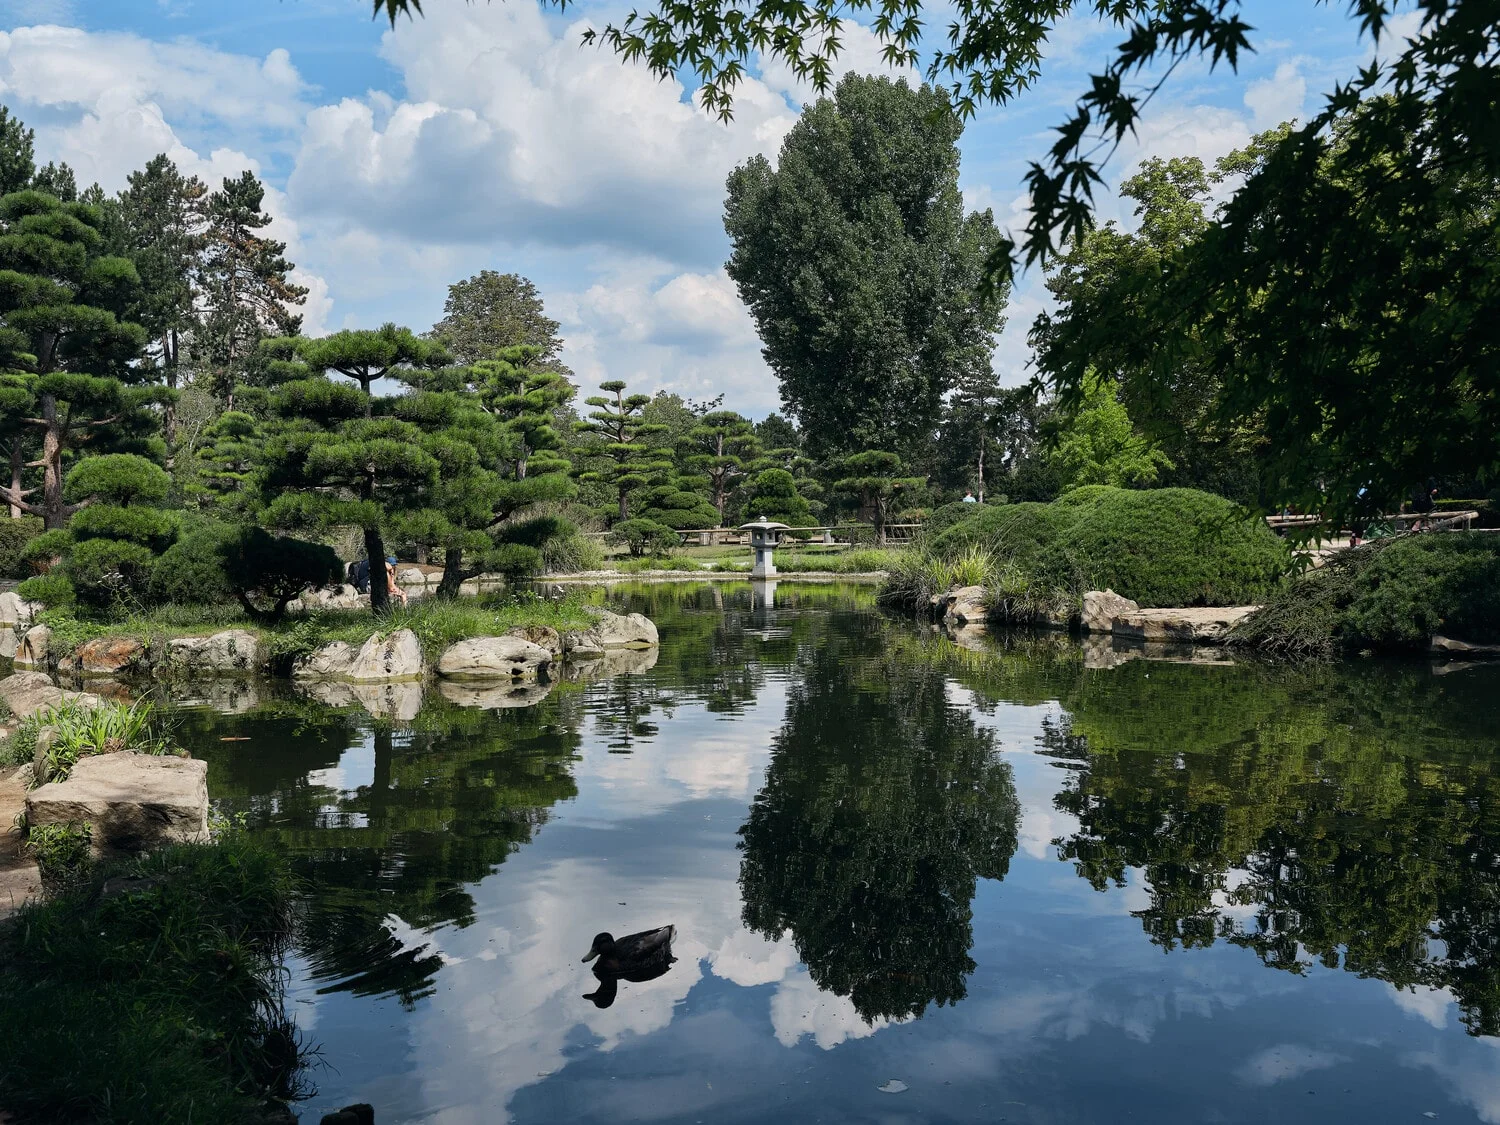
(485, 136)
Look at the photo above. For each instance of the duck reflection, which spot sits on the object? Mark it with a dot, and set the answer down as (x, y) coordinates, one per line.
(634, 957)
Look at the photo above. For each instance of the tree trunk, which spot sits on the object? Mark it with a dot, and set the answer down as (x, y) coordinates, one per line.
(380, 599)
(624, 507)
(453, 572)
(169, 412)
(879, 521)
(54, 512)
(17, 464)
(981, 471)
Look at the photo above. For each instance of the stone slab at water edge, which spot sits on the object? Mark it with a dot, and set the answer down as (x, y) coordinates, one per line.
(131, 802)
(26, 693)
(1105, 611)
(490, 658)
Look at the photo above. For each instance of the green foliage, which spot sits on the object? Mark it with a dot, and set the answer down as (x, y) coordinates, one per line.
(772, 494)
(62, 853)
(717, 447)
(874, 478)
(1098, 444)
(151, 528)
(260, 566)
(191, 571)
(491, 311)
(515, 560)
(106, 728)
(623, 456)
(1389, 594)
(14, 536)
(860, 268)
(104, 572)
(54, 590)
(644, 537)
(572, 554)
(116, 478)
(1165, 547)
(161, 1002)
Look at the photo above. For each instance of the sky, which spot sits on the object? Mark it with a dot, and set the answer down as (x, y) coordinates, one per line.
(486, 136)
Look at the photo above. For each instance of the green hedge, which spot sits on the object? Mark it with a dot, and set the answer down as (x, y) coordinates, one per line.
(1160, 547)
(14, 535)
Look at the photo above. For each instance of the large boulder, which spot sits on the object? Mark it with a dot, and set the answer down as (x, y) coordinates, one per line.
(582, 645)
(1101, 607)
(34, 649)
(9, 642)
(326, 662)
(234, 651)
(15, 610)
(966, 605)
(131, 801)
(614, 630)
(109, 656)
(26, 693)
(544, 635)
(493, 658)
(388, 659)
(1203, 625)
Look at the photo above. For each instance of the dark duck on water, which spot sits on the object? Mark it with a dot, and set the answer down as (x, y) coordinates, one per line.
(634, 957)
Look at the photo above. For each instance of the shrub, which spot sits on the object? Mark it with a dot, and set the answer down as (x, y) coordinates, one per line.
(107, 571)
(1422, 585)
(571, 554)
(514, 560)
(946, 516)
(643, 537)
(117, 478)
(107, 728)
(1024, 535)
(54, 590)
(259, 565)
(191, 572)
(150, 527)
(14, 536)
(62, 854)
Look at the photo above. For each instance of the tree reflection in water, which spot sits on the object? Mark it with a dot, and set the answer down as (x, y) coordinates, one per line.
(1354, 810)
(882, 805)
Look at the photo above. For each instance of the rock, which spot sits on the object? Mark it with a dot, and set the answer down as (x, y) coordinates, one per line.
(234, 651)
(109, 656)
(966, 606)
(411, 576)
(1101, 607)
(14, 609)
(33, 651)
(388, 659)
(28, 692)
(1453, 644)
(613, 630)
(400, 701)
(613, 662)
(131, 801)
(1197, 625)
(492, 658)
(582, 645)
(9, 642)
(544, 635)
(326, 662)
(494, 696)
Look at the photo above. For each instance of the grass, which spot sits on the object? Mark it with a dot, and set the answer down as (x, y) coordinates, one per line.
(162, 1002)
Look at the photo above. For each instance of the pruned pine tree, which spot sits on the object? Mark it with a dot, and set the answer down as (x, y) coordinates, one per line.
(627, 457)
(366, 355)
(66, 346)
(242, 278)
(875, 479)
(525, 394)
(719, 449)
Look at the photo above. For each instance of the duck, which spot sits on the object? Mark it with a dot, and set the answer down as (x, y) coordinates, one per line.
(635, 956)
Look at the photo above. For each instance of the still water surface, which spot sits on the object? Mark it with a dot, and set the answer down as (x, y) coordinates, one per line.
(911, 883)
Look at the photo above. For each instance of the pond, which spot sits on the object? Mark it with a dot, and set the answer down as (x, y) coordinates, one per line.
(911, 882)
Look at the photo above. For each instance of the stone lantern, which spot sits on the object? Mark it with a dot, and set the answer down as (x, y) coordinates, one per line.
(764, 536)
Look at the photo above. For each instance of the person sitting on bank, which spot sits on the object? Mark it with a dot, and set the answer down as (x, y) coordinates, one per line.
(969, 498)
(391, 586)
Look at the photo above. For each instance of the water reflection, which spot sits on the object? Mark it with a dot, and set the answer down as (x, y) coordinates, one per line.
(882, 805)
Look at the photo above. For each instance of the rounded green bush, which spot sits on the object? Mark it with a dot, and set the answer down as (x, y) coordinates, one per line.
(191, 572)
(117, 478)
(14, 536)
(515, 560)
(1172, 547)
(150, 527)
(53, 590)
(1420, 585)
(105, 571)
(1021, 534)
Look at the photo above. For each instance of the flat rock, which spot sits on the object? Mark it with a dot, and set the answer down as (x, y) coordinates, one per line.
(493, 658)
(966, 605)
(1197, 625)
(131, 801)
(1454, 645)
(326, 662)
(581, 645)
(26, 693)
(109, 656)
(1101, 607)
(388, 659)
(34, 649)
(615, 630)
(232, 652)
